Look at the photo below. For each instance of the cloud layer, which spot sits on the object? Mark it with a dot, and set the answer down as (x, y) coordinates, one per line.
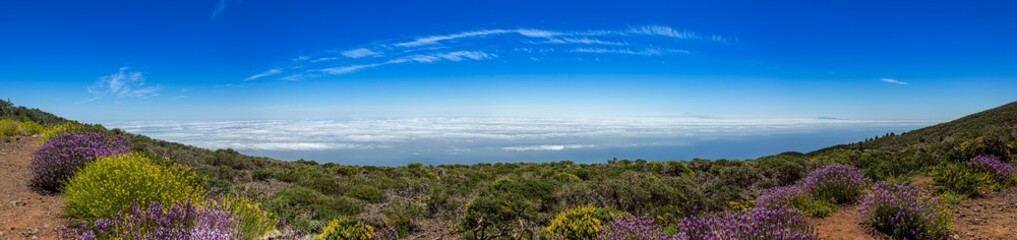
(399, 141)
(518, 44)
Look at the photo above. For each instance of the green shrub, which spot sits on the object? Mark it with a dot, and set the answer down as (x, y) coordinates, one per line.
(400, 215)
(815, 207)
(506, 205)
(346, 228)
(951, 198)
(261, 174)
(783, 169)
(308, 209)
(579, 223)
(961, 180)
(365, 192)
(111, 185)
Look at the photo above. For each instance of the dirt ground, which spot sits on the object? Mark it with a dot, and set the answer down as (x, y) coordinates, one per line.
(990, 217)
(843, 224)
(25, 213)
(993, 216)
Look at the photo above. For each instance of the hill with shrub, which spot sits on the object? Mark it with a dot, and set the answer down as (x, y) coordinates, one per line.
(223, 194)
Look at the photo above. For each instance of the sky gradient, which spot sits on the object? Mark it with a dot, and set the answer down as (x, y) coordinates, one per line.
(255, 60)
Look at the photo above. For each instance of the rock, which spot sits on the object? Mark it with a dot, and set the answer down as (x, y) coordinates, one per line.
(18, 203)
(274, 234)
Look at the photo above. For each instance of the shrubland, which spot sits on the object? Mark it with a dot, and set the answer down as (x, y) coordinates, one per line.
(619, 198)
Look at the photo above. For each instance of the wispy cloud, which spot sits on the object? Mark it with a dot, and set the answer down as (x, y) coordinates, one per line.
(644, 52)
(123, 84)
(429, 58)
(584, 40)
(506, 44)
(223, 4)
(350, 68)
(359, 53)
(893, 81)
(533, 33)
(270, 72)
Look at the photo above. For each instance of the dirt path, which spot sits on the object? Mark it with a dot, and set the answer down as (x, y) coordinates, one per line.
(842, 224)
(990, 217)
(24, 213)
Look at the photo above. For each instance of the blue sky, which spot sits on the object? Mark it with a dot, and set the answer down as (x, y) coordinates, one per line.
(259, 59)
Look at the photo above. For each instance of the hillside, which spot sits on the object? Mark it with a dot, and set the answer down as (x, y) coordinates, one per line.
(519, 200)
(997, 122)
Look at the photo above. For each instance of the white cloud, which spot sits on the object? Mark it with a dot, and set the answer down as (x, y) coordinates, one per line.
(431, 58)
(360, 52)
(525, 44)
(546, 147)
(664, 31)
(430, 40)
(324, 59)
(349, 69)
(893, 81)
(123, 84)
(586, 41)
(644, 52)
(270, 72)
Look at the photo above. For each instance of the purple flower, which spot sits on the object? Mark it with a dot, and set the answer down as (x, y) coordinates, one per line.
(779, 196)
(57, 160)
(837, 182)
(185, 222)
(899, 210)
(777, 223)
(1000, 169)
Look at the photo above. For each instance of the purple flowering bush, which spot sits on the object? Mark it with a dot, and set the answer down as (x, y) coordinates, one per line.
(63, 155)
(901, 211)
(836, 182)
(184, 222)
(1001, 171)
(794, 197)
(777, 223)
(780, 196)
(633, 228)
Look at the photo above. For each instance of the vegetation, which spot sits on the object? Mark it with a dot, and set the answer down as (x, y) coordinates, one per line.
(656, 199)
(14, 128)
(579, 223)
(58, 159)
(835, 183)
(902, 212)
(111, 185)
(345, 228)
(249, 220)
(182, 221)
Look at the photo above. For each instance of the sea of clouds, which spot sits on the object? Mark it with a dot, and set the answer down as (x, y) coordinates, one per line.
(471, 140)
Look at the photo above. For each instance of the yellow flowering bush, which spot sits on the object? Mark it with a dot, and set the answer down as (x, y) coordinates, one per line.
(111, 185)
(250, 220)
(579, 223)
(12, 128)
(345, 228)
(52, 131)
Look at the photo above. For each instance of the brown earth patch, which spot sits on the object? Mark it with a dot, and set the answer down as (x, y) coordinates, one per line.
(993, 216)
(843, 224)
(24, 212)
